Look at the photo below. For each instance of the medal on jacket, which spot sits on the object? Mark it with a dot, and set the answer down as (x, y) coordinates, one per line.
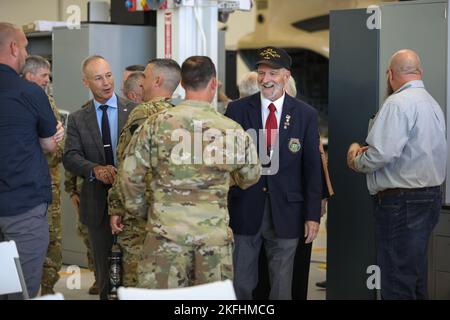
(294, 145)
(287, 123)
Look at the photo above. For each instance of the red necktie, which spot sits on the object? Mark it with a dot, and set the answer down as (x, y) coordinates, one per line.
(271, 124)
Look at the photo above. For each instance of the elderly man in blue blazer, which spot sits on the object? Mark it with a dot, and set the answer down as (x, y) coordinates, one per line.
(283, 208)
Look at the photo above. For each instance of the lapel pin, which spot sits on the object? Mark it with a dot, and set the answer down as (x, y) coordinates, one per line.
(287, 123)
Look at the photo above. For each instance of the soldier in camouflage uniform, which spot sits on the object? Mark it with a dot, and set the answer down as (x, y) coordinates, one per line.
(37, 70)
(183, 195)
(53, 261)
(72, 185)
(162, 77)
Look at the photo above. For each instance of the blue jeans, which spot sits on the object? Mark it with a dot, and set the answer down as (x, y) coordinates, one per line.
(403, 225)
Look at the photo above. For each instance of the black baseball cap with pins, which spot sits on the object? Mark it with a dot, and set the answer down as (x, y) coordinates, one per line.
(274, 57)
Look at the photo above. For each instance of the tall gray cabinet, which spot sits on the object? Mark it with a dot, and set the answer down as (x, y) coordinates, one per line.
(358, 60)
(121, 46)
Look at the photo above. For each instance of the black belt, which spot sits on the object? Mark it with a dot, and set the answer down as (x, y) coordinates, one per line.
(397, 191)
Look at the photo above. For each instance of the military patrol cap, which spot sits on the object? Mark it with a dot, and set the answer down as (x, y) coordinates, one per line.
(274, 57)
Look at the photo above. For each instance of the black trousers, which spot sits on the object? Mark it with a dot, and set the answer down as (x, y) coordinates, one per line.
(101, 241)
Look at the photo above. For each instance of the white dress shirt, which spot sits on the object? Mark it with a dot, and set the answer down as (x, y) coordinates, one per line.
(265, 109)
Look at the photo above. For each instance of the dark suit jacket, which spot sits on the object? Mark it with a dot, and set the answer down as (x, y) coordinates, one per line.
(83, 151)
(295, 191)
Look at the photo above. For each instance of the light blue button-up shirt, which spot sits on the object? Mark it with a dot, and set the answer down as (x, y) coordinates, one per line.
(407, 142)
(113, 117)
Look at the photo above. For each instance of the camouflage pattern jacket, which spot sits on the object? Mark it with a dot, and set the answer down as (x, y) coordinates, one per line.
(177, 172)
(136, 118)
(55, 158)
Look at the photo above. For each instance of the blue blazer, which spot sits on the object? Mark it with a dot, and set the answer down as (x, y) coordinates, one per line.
(295, 191)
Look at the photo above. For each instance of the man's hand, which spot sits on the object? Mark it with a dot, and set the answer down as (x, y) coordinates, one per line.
(59, 135)
(311, 231)
(106, 174)
(361, 150)
(354, 150)
(75, 202)
(116, 224)
(112, 171)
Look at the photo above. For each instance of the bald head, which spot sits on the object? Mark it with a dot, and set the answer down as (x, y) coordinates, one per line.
(13, 45)
(87, 63)
(405, 62)
(8, 32)
(404, 66)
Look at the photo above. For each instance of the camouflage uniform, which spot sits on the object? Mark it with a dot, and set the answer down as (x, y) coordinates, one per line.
(132, 237)
(53, 260)
(188, 240)
(72, 184)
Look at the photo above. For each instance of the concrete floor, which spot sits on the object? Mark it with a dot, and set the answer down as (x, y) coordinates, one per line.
(317, 272)
(68, 285)
(76, 286)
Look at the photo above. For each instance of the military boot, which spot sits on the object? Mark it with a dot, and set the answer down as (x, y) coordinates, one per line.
(46, 291)
(93, 290)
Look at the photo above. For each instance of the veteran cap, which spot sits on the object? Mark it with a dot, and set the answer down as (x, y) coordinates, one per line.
(274, 57)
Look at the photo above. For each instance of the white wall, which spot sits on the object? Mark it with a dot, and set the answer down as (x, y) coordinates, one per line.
(22, 12)
(239, 24)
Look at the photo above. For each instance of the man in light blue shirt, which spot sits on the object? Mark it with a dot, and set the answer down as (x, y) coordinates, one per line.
(405, 163)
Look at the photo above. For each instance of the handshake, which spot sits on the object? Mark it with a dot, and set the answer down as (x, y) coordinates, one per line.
(106, 174)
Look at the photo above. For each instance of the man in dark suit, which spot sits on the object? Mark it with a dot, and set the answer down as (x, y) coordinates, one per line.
(92, 134)
(284, 206)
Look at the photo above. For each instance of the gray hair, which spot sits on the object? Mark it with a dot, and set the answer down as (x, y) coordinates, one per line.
(88, 60)
(171, 71)
(291, 87)
(248, 84)
(131, 84)
(34, 63)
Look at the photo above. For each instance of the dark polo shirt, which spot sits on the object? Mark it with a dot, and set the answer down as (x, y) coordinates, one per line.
(25, 116)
